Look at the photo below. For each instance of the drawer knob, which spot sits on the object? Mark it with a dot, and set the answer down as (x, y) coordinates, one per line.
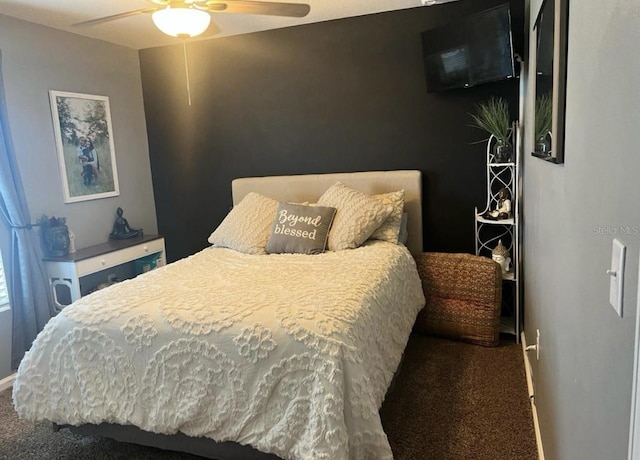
(103, 262)
(146, 249)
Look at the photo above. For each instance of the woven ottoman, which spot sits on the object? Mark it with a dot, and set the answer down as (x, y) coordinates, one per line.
(463, 296)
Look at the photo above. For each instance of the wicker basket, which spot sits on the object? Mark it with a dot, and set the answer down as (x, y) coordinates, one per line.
(463, 294)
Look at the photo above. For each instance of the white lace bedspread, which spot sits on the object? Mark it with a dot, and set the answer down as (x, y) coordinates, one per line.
(291, 354)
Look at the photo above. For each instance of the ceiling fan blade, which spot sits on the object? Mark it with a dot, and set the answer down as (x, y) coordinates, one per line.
(113, 17)
(294, 10)
(436, 2)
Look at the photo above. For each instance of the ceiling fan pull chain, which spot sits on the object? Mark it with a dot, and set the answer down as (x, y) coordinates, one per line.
(186, 68)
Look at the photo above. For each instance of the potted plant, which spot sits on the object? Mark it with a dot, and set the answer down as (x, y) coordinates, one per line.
(543, 121)
(493, 117)
(55, 235)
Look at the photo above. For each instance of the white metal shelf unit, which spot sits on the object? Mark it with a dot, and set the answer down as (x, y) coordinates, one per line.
(489, 232)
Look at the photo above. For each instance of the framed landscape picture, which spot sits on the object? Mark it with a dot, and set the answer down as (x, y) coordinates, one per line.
(84, 141)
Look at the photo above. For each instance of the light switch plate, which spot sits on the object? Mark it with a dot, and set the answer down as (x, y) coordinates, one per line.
(616, 274)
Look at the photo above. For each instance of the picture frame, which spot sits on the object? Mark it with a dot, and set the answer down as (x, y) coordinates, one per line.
(84, 143)
(550, 79)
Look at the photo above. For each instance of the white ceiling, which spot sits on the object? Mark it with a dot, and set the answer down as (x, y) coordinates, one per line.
(139, 32)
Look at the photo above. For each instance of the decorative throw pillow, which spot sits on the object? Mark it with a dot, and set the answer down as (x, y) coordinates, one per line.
(357, 216)
(247, 226)
(300, 229)
(390, 229)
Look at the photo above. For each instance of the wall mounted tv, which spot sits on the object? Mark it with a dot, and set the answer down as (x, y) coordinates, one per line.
(477, 49)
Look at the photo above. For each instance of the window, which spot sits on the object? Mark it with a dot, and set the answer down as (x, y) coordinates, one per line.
(4, 293)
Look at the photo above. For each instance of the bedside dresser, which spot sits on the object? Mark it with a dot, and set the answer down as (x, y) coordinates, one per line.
(66, 274)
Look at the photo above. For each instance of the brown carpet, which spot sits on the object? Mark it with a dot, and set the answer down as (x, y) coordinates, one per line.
(459, 401)
(451, 401)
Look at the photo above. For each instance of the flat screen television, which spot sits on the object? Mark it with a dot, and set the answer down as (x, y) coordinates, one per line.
(477, 49)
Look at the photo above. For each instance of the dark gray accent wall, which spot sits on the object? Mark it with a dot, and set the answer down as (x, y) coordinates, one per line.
(345, 95)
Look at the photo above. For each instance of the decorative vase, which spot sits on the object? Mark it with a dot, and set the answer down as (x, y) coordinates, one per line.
(543, 146)
(502, 152)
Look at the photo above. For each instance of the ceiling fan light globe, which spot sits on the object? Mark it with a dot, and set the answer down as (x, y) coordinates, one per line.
(181, 22)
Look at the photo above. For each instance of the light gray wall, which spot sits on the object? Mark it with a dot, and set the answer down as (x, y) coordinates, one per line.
(583, 378)
(37, 59)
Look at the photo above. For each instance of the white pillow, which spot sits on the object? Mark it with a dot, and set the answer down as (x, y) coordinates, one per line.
(247, 226)
(357, 216)
(390, 229)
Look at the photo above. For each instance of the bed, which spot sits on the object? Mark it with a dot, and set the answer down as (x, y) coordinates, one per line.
(232, 355)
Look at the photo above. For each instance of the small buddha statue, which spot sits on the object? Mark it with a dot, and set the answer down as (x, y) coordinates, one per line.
(121, 228)
(503, 208)
(500, 254)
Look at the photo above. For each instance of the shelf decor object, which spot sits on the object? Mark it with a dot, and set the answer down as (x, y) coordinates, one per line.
(55, 235)
(543, 126)
(498, 224)
(502, 256)
(492, 116)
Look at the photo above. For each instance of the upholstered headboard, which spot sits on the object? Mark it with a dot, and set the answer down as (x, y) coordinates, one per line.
(310, 187)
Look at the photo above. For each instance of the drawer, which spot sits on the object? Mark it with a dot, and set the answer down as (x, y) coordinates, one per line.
(111, 259)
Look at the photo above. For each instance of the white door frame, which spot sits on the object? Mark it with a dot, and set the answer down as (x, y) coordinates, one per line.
(634, 429)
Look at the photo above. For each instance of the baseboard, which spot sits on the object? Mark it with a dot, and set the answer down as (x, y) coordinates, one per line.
(534, 411)
(7, 382)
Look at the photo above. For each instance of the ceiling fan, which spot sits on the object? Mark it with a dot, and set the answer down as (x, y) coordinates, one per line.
(189, 18)
(436, 2)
